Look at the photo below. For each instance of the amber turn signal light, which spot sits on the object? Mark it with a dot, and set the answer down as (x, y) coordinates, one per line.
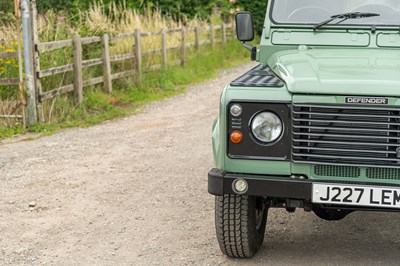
(236, 137)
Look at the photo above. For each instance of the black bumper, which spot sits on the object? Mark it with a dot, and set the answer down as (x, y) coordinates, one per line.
(220, 183)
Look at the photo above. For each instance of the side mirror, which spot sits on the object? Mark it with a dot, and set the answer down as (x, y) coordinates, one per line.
(245, 31)
(244, 26)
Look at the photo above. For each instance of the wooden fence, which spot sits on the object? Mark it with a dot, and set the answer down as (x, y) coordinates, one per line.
(199, 36)
(136, 55)
(8, 82)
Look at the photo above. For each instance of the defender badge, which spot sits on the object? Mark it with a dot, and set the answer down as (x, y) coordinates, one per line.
(367, 100)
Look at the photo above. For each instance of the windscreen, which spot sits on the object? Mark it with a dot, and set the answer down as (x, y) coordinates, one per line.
(316, 11)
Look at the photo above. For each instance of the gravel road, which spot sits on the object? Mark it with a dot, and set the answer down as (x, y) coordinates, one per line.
(134, 192)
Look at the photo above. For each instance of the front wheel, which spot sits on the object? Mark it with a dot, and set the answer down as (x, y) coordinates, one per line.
(240, 223)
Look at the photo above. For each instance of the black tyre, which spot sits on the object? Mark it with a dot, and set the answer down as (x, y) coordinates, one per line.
(240, 222)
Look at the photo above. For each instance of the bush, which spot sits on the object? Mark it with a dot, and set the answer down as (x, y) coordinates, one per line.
(258, 8)
(179, 9)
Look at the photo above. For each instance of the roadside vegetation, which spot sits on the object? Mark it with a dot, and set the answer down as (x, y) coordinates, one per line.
(129, 94)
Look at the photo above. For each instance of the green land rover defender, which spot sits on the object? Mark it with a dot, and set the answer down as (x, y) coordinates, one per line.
(316, 125)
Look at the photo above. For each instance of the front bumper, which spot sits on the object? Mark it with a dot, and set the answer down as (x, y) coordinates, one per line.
(220, 183)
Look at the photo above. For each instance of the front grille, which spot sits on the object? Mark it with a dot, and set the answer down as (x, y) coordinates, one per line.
(337, 171)
(346, 135)
(383, 173)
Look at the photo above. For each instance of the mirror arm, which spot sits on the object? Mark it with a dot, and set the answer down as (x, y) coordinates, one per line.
(252, 49)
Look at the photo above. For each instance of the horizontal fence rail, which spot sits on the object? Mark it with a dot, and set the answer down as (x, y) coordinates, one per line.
(10, 82)
(106, 60)
(198, 37)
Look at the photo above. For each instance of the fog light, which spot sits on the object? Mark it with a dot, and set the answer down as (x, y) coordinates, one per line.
(240, 186)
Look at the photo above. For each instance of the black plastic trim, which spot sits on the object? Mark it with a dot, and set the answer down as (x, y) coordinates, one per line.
(260, 76)
(252, 149)
(279, 187)
(220, 183)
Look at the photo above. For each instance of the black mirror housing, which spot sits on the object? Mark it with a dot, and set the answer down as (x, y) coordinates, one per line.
(244, 26)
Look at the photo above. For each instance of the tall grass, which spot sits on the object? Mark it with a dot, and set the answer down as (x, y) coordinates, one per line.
(115, 19)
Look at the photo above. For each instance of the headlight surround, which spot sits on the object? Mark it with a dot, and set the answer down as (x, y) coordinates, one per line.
(266, 127)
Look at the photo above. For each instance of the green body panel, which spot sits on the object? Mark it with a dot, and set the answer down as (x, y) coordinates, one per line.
(362, 71)
(286, 37)
(388, 40)
(316, 67)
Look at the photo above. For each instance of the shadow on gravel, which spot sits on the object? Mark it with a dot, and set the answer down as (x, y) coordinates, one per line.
(360, 239)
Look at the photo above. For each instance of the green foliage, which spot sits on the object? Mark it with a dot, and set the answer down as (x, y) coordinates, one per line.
(6, 6)
(129, 94)
(178, 9)
(44, 5)
(7, 132)
(258, 8)
(6, 18)
(191, 8)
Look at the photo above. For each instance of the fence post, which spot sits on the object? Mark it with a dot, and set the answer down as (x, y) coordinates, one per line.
(36, 61)
(106, 63)
(212, 35)
(197, 37)
(78, 78)
(224, 32)
(138, 53)
(183, 52)
(30, 84)
(233, 29)
(20, 63)
(164, 48)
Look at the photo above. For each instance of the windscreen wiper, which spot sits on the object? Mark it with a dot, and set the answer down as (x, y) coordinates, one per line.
(346, 16)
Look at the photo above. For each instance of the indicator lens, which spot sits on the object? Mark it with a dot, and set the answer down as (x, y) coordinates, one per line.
(236, 137)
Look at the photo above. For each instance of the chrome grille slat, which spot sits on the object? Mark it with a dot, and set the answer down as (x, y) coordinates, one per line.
(342, 164)
(345, 122)
(346, 129)
(346, 135)
(344, 143)
(345, 115)
(371, 159)
(345, 150)
(349, 107)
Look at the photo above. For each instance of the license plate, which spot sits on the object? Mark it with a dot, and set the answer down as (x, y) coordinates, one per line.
(368, 196)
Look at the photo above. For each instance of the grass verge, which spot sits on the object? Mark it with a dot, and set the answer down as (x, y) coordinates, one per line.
(129, 94)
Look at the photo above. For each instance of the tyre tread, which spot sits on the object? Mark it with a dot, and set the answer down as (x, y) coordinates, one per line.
(235, 235)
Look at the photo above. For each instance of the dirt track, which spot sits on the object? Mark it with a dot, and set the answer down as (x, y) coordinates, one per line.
(134, 192)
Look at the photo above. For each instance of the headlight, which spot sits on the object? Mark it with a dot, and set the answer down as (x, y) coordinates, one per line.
(266, 127)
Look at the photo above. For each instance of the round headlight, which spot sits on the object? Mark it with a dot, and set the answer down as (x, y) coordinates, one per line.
(266, 127)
